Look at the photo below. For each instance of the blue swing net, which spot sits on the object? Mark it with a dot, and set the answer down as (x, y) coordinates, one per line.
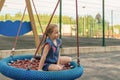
(24, 74)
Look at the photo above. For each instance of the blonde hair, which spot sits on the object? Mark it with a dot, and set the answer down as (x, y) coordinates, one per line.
(50, 29)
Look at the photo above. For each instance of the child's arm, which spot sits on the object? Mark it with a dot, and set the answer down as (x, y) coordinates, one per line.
(43, 57)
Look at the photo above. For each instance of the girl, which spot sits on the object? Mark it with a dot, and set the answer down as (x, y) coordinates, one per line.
(51, 59)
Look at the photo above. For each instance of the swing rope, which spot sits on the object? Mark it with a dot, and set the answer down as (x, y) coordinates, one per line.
(17, 36)
(78, 55)
(37, 16)
(43, 38)
(44, 35)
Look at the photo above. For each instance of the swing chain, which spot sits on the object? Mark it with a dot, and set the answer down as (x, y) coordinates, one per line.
(12, 52)
(30, 65)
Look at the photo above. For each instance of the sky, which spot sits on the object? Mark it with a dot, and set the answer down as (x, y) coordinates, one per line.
(91, 7)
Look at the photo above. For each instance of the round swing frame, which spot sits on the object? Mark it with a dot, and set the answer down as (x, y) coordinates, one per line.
(24, 74)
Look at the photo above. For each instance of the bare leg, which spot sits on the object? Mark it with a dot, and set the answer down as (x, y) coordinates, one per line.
(64, 59)
(54, 67)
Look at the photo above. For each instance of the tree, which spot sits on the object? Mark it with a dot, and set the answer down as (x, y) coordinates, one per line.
(7, 17)
(18, 16)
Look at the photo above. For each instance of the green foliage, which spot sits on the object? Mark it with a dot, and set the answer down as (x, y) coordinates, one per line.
(90, 23)
(117, 26)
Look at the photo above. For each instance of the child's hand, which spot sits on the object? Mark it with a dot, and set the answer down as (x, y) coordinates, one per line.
(40, 70)
(60, 67)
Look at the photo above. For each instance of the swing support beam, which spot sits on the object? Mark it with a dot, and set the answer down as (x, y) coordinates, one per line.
(1, 4)
(31, 16)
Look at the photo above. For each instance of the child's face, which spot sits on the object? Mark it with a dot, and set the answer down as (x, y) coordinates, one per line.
(55, 33)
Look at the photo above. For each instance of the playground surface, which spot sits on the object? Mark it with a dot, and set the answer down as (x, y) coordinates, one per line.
(101, 66)
(97, 66)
